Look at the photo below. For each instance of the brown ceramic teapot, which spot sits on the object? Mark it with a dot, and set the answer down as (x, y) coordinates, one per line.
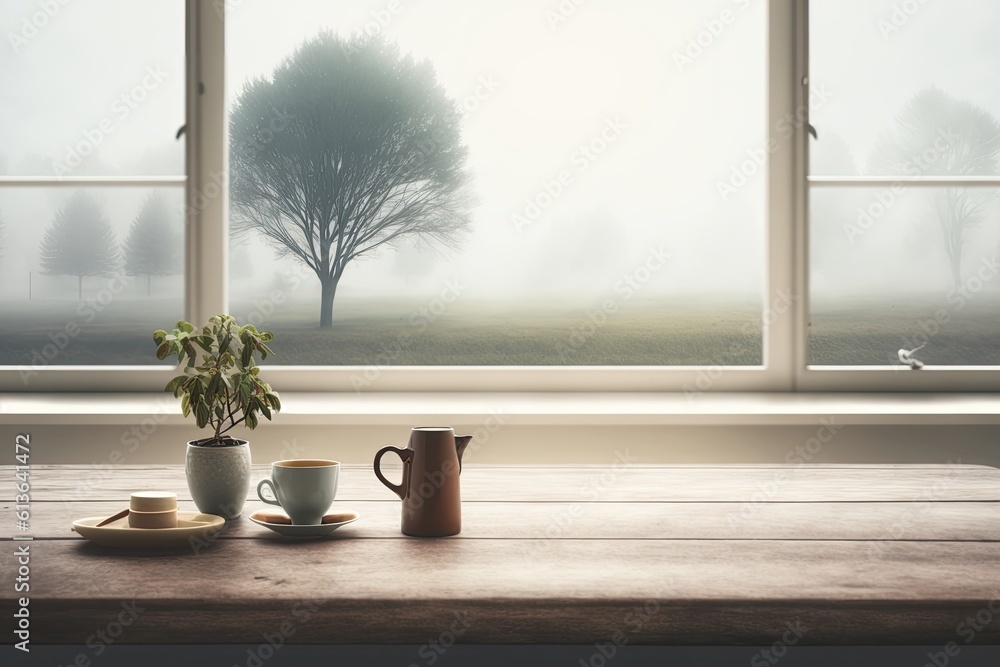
(430, 490)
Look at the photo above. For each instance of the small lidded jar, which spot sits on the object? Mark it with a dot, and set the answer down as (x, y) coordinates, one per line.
(152, 509)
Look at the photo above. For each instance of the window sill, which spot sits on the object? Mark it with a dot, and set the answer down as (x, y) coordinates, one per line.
(635, 409)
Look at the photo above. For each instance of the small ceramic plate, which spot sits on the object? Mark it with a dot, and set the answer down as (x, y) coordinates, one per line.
(281, 524)
(120, 534)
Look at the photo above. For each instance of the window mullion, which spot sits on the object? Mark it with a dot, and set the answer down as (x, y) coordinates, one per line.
(207, 196)
(784, 296)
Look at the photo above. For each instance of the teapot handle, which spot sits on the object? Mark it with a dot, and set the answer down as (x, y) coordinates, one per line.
(405, 455)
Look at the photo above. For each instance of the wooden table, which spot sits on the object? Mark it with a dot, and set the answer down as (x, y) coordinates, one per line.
(653, 555)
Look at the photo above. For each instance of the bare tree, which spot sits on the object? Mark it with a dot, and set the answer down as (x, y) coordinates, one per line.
(348, 146)
(80, 242)
(153, 246)
(937, 135)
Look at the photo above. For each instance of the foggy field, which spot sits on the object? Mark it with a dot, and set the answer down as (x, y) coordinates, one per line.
(652, 333)
(869, 332)
(391, 333)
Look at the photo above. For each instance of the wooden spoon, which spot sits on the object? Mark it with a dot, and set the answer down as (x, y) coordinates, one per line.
(120, 515)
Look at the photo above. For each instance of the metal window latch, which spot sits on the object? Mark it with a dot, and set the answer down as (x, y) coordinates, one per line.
(183, 128)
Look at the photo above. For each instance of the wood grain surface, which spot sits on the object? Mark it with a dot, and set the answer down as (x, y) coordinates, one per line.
(561, 554)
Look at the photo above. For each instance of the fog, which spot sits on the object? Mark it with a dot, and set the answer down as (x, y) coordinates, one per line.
(871, 58)
(651, 108)
(534, 92)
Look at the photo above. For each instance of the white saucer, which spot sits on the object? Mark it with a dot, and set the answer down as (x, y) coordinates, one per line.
(281, 524)
(190, 525)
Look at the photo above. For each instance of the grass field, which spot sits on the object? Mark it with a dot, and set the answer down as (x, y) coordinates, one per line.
(870, 331)
(387, 332)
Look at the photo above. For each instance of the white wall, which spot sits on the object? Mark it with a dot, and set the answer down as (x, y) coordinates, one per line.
(513, 443)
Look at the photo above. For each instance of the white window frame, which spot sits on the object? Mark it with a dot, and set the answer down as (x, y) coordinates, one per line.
(784, 333)
(860, 378)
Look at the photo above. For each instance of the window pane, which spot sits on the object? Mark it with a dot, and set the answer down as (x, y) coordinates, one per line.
(92, 88)
(584, 188)
(88, 274)
(885, 278)
(904, 88)
(892, 267)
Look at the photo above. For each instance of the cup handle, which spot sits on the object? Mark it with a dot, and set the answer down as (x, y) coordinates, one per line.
(270, 486)
(405, 455)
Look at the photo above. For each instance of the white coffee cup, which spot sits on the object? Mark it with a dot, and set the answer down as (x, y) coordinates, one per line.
(304, 488)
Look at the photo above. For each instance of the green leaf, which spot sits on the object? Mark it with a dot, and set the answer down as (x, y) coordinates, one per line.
(226, 379)
(204, 342)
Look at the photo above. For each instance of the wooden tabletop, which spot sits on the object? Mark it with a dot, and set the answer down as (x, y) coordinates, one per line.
(653, 555)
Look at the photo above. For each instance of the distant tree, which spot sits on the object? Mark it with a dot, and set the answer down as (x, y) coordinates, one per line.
(79, 242)
(346, 147)
(153, 246)
(831, 156)
(937, 135)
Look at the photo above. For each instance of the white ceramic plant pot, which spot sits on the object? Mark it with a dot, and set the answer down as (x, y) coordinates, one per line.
(219, 477)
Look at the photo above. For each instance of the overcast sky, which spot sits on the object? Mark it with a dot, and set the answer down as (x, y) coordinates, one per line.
(558, 84)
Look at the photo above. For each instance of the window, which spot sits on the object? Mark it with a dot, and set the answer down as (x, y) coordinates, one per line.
(579, 188)
(904, 213)
(91, 182)
(509, 196)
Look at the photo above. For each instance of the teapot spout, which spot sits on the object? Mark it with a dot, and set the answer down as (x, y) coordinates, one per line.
(461, 442)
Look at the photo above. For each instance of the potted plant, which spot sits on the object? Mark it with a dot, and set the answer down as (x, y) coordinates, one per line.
(222, 390)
